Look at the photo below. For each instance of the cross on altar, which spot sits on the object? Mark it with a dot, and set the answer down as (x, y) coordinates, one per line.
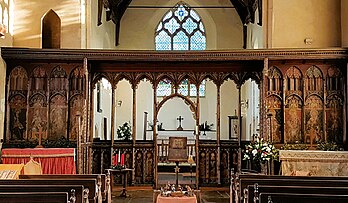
(180, 119)
(40, 133)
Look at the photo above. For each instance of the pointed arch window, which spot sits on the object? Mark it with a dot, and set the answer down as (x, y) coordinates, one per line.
(181, 28)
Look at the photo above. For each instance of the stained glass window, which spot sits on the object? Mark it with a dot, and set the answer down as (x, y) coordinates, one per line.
(181, 28)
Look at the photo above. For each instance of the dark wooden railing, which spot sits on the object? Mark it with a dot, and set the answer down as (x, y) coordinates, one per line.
(141, 157)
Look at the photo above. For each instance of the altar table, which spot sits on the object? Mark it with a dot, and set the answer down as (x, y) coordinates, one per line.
(184, 199)
(53, 160)
(314, 162)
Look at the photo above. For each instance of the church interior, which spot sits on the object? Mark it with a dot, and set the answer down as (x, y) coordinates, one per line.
(161, 101)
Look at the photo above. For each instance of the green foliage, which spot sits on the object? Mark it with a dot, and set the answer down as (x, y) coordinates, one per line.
(328, 146)
(206, 127)
(125, 131)
(62, 142)
(295, 146)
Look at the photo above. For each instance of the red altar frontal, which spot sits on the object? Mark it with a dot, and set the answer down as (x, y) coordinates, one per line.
(53, 160)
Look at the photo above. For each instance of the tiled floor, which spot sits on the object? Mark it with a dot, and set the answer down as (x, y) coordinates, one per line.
(145, 195)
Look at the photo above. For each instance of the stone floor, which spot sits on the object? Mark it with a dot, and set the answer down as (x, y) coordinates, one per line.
(144, 195)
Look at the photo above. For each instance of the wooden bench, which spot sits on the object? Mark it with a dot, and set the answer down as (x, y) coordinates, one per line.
(101, 180)
(34, 197)
(89, 184)
(301, 198)
(74, 191)
(254, 191)
(241, 183)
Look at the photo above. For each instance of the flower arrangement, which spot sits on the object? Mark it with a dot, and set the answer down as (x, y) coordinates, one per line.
(125, 131)
(260, 151)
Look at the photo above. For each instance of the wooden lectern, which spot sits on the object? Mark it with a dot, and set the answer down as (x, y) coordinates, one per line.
(177, 152)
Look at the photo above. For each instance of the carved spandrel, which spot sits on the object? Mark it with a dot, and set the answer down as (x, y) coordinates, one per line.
(77, 81)
(18, 79)
(39, 80)
(59, 81)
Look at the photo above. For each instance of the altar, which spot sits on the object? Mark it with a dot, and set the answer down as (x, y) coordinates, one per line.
(314, 162)
(190, 134)
(53, 160)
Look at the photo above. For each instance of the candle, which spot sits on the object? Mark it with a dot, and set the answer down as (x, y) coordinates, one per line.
(197, 130)
(114, 160)
(119, 156)
(122, 159)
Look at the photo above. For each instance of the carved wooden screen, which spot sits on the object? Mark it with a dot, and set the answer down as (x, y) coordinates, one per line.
(58, 104)
(293, 105)
(77, 84)
(274, 103)
(334, 105)
(17, 102)
(314, 116)
(37, 113)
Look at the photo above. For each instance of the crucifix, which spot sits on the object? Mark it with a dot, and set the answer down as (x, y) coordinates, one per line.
(180, 119)
(40, 137)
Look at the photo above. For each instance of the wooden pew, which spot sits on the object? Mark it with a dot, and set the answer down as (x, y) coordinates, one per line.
(241, 183)
(34, 197)
(74, 191)
(89, 184)
(255, 190)
(101, 181)
(301, 198)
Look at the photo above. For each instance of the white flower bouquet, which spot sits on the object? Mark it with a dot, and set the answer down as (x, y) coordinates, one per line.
(260, 151)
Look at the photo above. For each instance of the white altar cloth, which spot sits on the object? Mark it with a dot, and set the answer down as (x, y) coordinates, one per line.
(314, 162)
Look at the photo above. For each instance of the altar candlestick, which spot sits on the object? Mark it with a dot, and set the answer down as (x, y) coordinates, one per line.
(119, 156)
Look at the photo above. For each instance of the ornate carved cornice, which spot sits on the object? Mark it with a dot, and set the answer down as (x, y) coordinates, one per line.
(192, 56)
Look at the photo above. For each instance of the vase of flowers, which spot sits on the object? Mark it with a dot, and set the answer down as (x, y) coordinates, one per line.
(124, 131)
(260, 153)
